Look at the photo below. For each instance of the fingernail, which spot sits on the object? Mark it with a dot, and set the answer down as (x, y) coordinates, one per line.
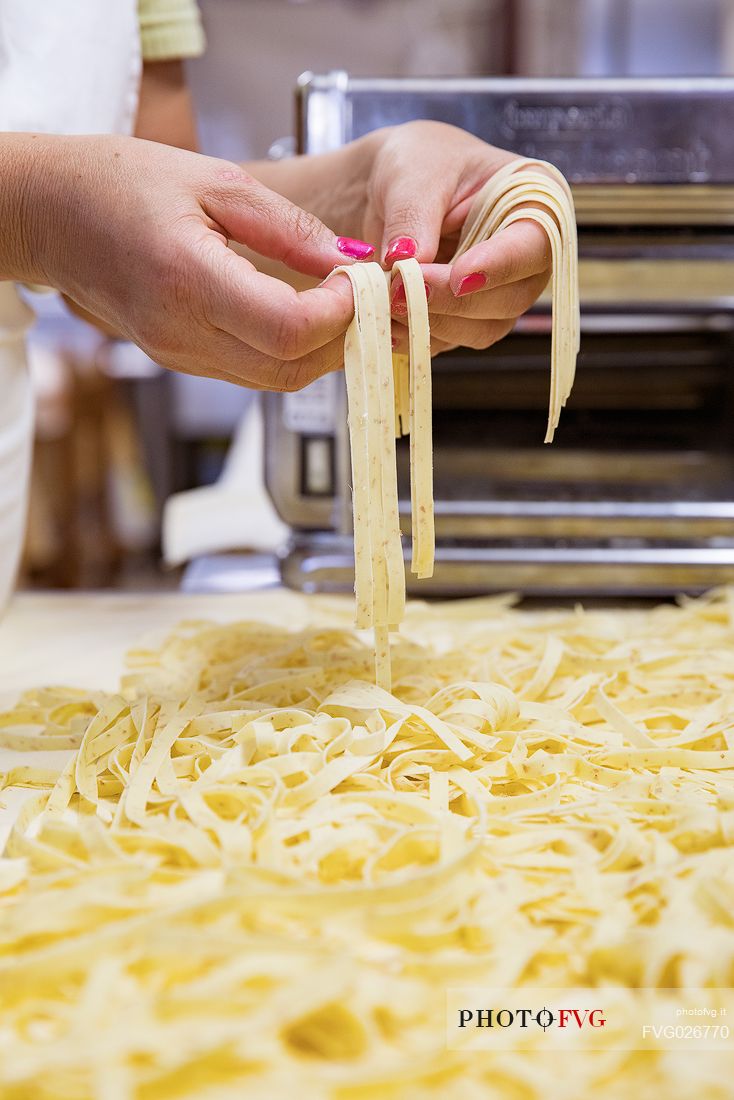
(470, 283)
(401, 248)
(358, 250)
(398, 303)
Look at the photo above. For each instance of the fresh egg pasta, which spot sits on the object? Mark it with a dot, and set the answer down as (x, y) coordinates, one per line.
(251, 871)
(385, 390)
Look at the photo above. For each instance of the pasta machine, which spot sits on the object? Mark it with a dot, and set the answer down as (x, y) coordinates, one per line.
(636, 495)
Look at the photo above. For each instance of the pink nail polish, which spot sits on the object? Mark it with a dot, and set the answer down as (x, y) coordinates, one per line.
(471, 283)
(401, 248)
(358, 250)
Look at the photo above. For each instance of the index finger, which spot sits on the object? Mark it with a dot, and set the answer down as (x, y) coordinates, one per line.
(517, 252)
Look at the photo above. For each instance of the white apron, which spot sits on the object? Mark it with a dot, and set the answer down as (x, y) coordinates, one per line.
(66, 67)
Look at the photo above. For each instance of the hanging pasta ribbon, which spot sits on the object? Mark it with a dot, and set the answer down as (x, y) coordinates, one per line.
(390, 395)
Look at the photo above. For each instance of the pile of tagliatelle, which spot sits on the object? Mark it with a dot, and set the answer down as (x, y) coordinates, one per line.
(258, 873)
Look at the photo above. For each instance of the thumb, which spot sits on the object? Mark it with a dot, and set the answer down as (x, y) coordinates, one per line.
(253, 215)
(414, 210)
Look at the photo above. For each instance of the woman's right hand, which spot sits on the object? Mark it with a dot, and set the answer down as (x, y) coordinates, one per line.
(136, 233)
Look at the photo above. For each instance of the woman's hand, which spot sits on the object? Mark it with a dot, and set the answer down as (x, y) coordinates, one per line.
(423, 178)
(137, 234)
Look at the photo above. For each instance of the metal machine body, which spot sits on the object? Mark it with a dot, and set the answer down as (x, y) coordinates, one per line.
(636, 495)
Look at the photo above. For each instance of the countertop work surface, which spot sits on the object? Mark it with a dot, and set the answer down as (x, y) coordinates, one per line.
(80, 639)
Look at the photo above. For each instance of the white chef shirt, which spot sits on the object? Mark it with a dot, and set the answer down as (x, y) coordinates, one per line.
(66, 67)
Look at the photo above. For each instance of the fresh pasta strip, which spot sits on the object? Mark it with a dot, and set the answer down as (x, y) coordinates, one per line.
(376, 399)
(258, 872)
(379, 570)
(354, 370)
(501, 202)
(383, 379)
(420, 418)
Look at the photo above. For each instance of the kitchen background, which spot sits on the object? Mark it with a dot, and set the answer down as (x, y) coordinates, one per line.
(115, 434)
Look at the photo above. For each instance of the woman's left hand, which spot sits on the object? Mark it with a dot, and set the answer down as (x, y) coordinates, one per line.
(423, 178)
